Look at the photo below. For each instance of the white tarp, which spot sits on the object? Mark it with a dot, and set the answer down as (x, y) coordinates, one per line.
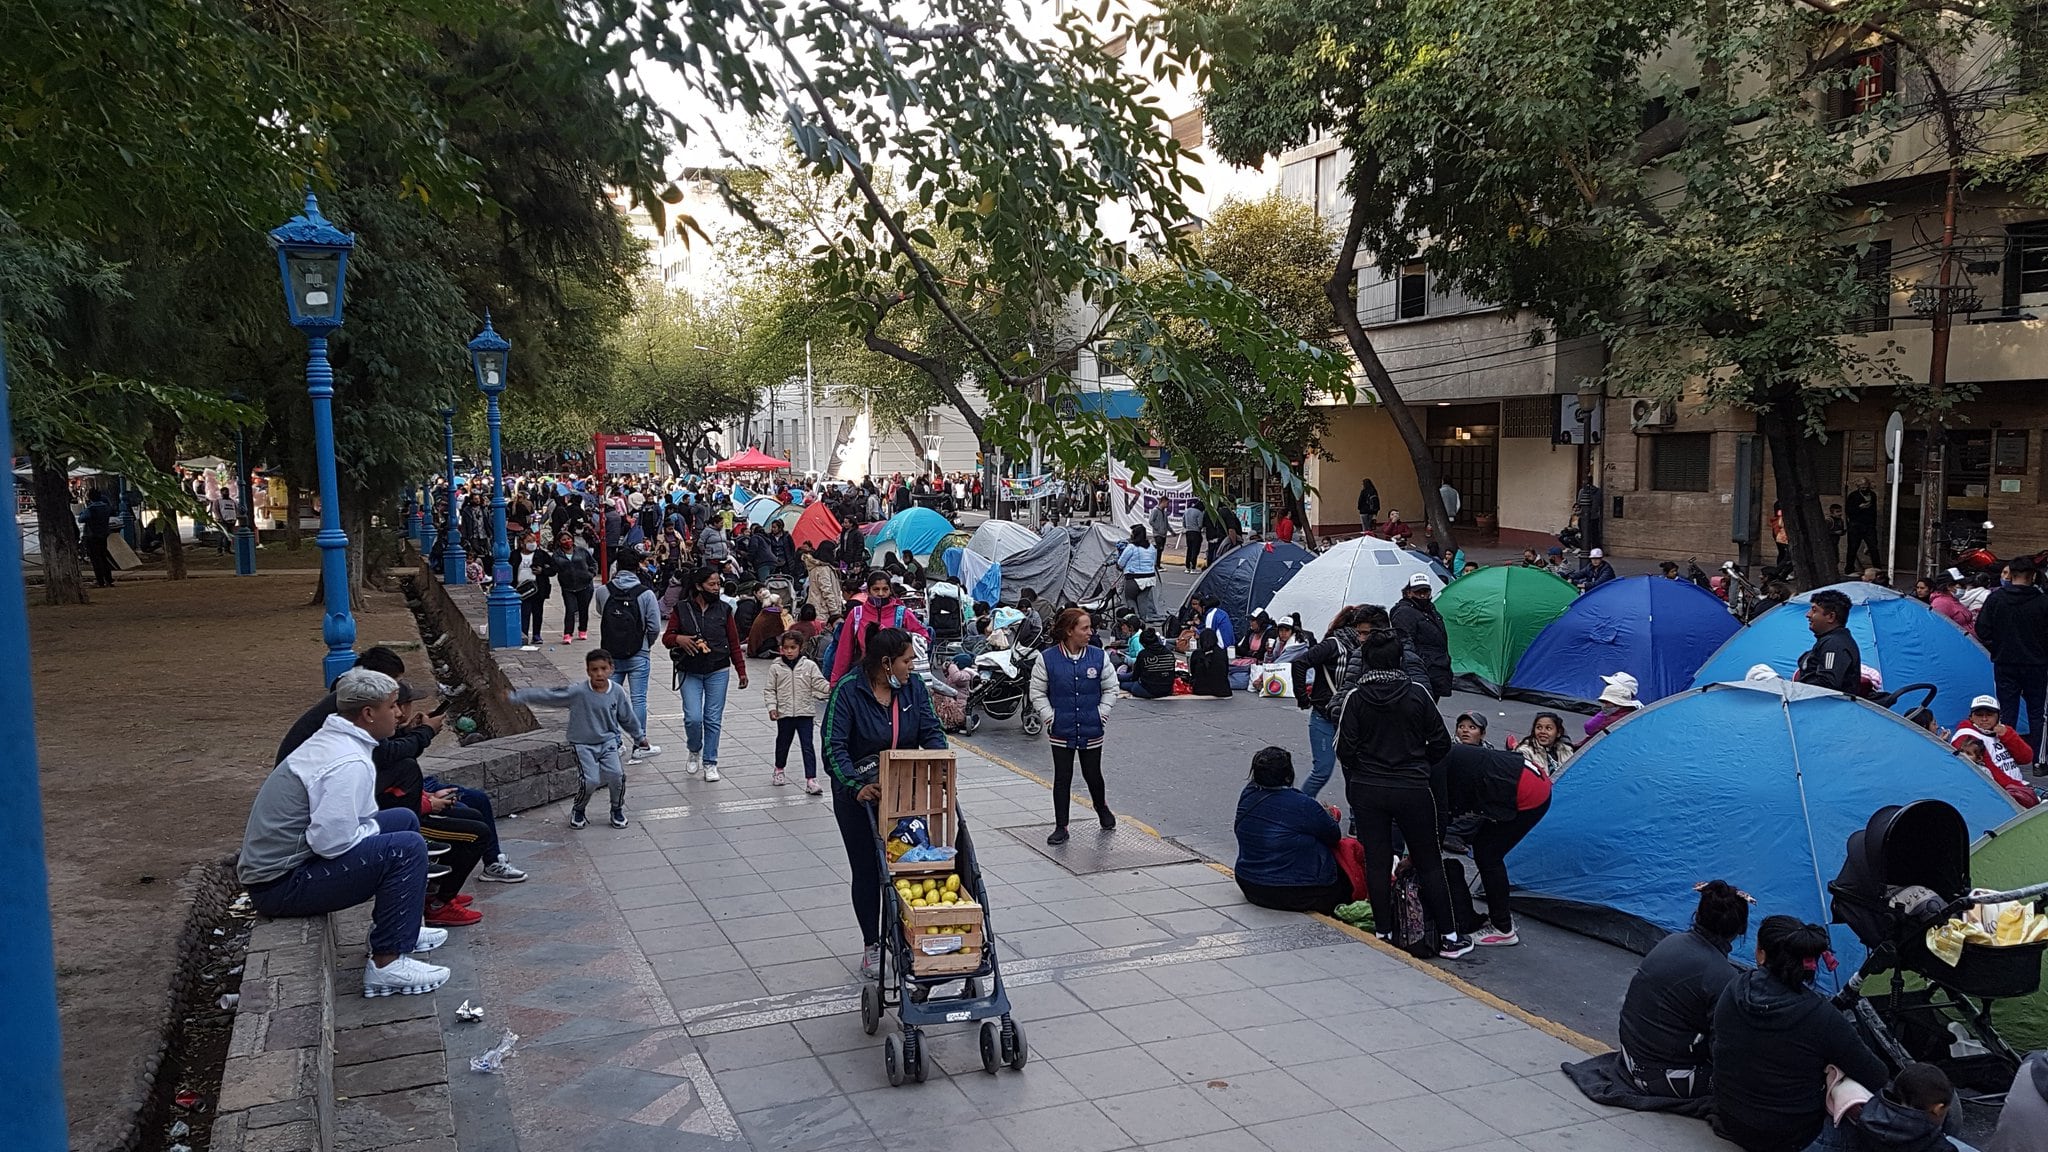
(1131, 501)
(999, 540)
(1362, 570)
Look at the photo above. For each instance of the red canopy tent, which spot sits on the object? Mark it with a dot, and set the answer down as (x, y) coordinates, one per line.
(816, 526)
(752, 460)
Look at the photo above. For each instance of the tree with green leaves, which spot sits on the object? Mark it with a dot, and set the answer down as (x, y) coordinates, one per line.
(1278, 250)
(673, 374)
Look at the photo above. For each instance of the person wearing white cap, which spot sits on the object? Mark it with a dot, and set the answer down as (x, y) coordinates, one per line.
(1617, 703)
(1595, 572)
(1421, 627)
(1997, 747)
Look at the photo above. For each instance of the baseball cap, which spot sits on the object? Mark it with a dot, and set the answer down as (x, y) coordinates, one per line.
(1419, 580)
(1478, 719)
(1597, 554)
(1982, 703)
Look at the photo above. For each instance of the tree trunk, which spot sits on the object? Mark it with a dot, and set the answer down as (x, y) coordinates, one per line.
(294, 535)
(1339, 289)
(57, 533)
(1298, 508)
(1814, 561)
(355, 523)
(671, 450)
(916, 445)
(162, 450)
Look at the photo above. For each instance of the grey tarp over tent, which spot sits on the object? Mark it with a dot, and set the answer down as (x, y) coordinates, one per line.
(1071, 563)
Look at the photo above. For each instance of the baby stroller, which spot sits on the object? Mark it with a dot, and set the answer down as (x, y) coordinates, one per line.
(1005, 678)
(1906, 872)
(909, 979)
(944, 614)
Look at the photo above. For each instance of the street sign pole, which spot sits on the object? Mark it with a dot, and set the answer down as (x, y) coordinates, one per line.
(1894, 444)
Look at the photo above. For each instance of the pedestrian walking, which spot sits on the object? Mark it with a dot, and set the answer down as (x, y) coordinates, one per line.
(1860, 516)
(882, 705)
(1072, 690)
(574, 567)
(600, 716)
(98, 519)
(795, 689)
(530, 578)
(703, 638)
(628, 623)
(1191, 530)
(1334, 661)
(880, 609)
(1158, 527)
(1368, 505)
(2013, 626)
(1138, 560)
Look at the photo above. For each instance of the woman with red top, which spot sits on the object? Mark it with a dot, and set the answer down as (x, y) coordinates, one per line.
(1511, 796)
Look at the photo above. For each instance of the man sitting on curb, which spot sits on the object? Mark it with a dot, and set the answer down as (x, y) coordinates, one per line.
(316, 842)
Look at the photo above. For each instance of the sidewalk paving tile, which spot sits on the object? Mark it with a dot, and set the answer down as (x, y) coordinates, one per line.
(689, 983)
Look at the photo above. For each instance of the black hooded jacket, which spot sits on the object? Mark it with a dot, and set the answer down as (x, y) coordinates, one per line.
(1885, 1125)
(1772, 1046)
(1422, 628)
(2014, 625)
(1389, 731)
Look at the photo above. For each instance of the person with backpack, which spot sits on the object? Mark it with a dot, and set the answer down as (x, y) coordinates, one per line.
(628, 622)
(880, 609)
(704, 641)
(1335, 661)
(1389, 737)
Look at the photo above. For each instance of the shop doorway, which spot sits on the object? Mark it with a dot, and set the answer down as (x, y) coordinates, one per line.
(1464, 440)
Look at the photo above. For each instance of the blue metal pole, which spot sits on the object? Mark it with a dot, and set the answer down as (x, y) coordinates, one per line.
(454, 564)
(429, 535)
(30, 1063)
(245, 534)
(339, 626)
(503, 602)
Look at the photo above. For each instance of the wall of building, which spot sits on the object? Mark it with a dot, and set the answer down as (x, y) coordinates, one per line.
(1538, 481)
(1360, 443)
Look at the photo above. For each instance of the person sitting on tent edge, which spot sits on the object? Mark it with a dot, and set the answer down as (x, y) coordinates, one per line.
(1834, 661)
(2000, 749)
(1618, 702)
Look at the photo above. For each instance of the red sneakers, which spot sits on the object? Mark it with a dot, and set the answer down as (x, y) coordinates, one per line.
(463, 900)
(448, 914)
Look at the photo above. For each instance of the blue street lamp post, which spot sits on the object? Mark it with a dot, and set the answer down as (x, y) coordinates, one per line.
(488, 354)
(312, 260)
(429, 536)
(245, 532)
(29, 1060)
(454, 564)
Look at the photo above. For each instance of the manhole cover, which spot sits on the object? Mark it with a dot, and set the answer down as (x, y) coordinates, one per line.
(1089, 849)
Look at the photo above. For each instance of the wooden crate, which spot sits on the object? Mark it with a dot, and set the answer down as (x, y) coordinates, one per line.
(965, 915)
(918, 782)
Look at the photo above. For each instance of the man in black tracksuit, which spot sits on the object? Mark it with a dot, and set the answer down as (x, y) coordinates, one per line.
(1835, 661)
(2013, 626)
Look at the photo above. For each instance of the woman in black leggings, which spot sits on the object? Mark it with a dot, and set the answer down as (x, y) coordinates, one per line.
(1072, 689)
(574, 574)
(1388, 735)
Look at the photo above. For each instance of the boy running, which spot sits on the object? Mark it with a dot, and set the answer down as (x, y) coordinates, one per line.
(599, 715)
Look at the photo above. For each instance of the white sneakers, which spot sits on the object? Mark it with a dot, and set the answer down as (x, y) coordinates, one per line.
(711, 772)
(502, 871)
(694, 764)
(639, 754)
(870, 961)
(404, 976)
(430, 938)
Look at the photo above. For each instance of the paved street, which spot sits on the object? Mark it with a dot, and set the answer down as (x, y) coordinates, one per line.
(689, 983)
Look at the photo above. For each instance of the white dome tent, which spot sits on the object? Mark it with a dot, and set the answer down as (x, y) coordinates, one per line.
(1363, 570)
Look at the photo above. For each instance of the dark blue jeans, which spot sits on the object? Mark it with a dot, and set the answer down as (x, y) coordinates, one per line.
(480, 802)
(390, 866)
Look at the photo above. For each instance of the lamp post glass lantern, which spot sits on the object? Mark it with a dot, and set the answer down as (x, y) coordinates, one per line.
(454, 561)
(487, 354)
(312, 261)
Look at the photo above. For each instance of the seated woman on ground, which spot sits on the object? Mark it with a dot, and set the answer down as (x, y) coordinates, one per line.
(1287, 844)
(1773, 1039)
(1667, 1016)
(1151, 675)
(1545, 748)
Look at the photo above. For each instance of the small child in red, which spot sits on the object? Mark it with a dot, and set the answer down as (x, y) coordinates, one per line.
(1999, 748)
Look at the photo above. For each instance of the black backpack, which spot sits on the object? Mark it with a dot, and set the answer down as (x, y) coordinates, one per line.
(622, 629)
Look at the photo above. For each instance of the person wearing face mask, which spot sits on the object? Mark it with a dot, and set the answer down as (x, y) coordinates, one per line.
(530, 578)
(704, 641)
(881, 705)
(880, 609)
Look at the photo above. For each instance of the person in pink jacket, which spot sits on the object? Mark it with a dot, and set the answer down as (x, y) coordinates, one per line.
(880, 609)
(1942, 599)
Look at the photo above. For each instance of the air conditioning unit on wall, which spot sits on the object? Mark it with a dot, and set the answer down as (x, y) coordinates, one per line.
(1644, 415)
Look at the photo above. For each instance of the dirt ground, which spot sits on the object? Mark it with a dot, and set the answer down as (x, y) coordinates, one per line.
(158, 708)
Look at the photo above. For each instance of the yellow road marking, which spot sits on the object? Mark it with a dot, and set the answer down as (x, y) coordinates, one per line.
(1542, 1024)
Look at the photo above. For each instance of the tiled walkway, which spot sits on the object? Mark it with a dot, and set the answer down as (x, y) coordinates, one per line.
(689, 982)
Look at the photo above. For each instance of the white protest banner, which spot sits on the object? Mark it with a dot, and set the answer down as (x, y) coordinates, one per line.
(1131, 501)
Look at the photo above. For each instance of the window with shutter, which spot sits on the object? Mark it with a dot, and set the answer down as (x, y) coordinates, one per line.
(1414, 297)
(2026, 265)
(1187, 129)
(1865, 81)
(1378, 297)
(1681, 461)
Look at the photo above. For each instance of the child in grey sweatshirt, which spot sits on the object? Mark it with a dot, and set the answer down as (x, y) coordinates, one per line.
(599, 714)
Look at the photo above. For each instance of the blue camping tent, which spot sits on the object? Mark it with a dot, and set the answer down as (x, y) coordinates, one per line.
(1247, 576)
(1659, 631)
(981, 576)
(1904, 640)
(1757, 783)
(914, 531)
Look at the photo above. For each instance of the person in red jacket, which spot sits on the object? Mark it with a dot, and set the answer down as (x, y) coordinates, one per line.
(1996, 746)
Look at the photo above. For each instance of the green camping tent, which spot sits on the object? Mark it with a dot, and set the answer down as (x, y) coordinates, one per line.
(1492, 616)
(2014, 857)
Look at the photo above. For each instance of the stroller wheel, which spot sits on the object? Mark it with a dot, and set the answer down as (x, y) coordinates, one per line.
(973, 721)
(913, 1054)
(892, 1059)
(991, 1046)
(1015, 1050)
(870, 1008)
(1032, 724)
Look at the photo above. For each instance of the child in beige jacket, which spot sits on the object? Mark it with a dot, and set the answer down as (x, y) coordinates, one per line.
(795, 686)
